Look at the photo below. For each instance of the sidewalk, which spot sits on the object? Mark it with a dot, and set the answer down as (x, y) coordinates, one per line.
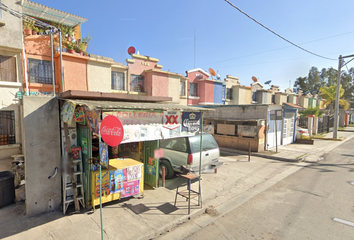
(235, 183)
(302, 152)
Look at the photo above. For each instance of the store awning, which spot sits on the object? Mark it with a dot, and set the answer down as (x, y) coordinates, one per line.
(43, 12)
(110, 105)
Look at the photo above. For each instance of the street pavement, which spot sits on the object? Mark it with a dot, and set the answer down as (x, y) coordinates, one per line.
(235, 183)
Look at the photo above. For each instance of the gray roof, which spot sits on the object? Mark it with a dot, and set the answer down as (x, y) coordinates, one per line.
(43, 12)
(110, 105)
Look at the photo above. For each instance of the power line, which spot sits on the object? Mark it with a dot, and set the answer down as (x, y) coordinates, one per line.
(277, 33)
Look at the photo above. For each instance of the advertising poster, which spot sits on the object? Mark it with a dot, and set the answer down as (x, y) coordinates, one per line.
(67, 112)
(151, 170)
(171, 131)
(116, 178)
(105, 184)
(104, 161)
(171, 117)
(84, 145)
(129, 118)
(92, 119)
(133, 172)
(79, 115)
(191, 122)
(130, 188)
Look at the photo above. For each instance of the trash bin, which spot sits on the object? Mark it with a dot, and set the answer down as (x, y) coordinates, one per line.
(7, 188)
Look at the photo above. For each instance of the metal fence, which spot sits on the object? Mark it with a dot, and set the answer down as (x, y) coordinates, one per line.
(302, 122)
(325, 124)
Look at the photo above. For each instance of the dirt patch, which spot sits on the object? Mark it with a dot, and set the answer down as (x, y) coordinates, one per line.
(211, 211)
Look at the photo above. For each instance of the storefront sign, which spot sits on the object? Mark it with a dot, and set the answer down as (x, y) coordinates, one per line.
(130, 188)
(112, 131)
(128, 118)
(92, 119)
(171, 117)
(80, 115)
(67, 112)
(191, 122)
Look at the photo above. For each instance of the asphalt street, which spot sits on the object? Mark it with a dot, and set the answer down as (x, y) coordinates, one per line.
(304, 205)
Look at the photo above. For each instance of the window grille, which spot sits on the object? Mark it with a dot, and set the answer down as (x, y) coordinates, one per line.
(7, 127)
(137, 83)
(118, 81)
(40, 71)
(8, 69)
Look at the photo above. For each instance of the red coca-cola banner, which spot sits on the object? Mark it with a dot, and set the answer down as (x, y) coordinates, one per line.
(112, 131)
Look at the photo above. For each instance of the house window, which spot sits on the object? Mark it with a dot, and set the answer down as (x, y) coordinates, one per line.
(7, 127)
(40, 71)
(193, 89)
(223, 92)
(137, 83)
(118, 81)
(8, 69)
(229, 93)
(182, 89)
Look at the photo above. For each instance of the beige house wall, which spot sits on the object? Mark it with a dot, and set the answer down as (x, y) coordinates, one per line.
(304, 102)
(11, 27)
(280, 98)
(174, 88)
(292, 98)
(241, 95)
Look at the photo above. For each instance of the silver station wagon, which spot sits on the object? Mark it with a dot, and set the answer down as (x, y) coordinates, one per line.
(185, 151)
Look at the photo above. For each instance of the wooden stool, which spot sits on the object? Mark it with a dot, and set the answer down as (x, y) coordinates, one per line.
(189, 193)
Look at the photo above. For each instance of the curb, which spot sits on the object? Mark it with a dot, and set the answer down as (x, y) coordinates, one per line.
(229, 150)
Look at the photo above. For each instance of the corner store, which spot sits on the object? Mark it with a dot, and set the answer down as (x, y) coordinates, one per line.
(145, 119)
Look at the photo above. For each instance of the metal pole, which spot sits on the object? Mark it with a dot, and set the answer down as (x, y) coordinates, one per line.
(194, 48)
(99, 162)
(249, 151)
(51, 51)
(336, 112)
(61, 63)
(200, 160)
(276, 135)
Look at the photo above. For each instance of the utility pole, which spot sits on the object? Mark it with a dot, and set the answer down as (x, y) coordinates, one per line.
(336, 112)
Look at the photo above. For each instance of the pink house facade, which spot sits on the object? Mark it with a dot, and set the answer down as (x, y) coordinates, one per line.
(200, 87)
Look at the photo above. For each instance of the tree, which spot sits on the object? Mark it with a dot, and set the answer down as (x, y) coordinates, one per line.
(312, 111)
(329, 96)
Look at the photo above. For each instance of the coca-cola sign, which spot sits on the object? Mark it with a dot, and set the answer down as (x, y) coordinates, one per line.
(112, 131)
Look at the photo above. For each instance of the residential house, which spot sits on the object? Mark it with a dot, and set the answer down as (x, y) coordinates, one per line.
(11, 47)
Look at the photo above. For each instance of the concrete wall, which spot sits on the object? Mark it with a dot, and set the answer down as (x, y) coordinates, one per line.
(281, 98)
(238, 112)
(264, 96)
(231, 81)
(156, 84)
(11, 31)
(42, 150)
(75, 72)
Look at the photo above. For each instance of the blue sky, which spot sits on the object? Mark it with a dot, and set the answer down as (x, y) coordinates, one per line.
(226, 40)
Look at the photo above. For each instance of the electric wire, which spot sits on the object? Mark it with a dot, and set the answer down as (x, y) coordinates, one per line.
(277, 33)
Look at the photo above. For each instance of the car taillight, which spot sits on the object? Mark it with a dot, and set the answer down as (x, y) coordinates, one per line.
(302, 132)
(190, 159)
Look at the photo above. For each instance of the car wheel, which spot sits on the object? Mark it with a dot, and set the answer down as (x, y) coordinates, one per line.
(168, 169)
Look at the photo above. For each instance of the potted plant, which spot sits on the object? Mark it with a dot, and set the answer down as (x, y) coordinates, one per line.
(86, 41)
(40, 31)
(34, 31)
(70, 48)
(27, 28)
(305, 140)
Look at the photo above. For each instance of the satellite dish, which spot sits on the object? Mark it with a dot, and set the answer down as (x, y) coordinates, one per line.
(268, 82)
(254, 79)
(212, 72)
(131, 50)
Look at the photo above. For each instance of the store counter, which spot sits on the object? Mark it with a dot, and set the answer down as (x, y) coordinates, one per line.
(124, 178)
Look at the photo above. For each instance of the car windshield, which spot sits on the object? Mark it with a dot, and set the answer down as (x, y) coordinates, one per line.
(208, 143)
